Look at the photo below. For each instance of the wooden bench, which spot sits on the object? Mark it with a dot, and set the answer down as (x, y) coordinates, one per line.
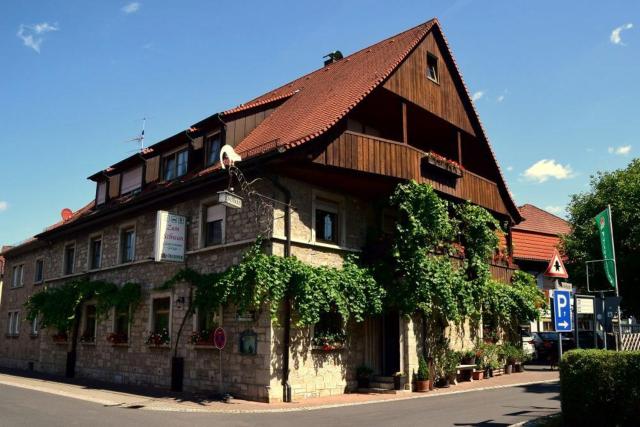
(465, 372)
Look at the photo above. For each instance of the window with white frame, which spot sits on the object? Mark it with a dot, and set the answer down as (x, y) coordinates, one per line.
(161, 315)
(212, 146)
(69, 258)
(34, 327)
(90, 324)
(13, 326)
(17, 276)
(175, 165)
(213, 230)
(127, 244)
(206, 321)
(327, 221)
(38, 276)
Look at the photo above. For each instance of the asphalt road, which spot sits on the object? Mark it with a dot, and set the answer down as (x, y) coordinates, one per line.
(499, 407)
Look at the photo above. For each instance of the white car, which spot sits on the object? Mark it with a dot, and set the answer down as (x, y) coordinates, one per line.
(528, 344)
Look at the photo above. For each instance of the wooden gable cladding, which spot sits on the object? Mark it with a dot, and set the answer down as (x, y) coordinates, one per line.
(443, 99)
(238, 128)
(380, 156)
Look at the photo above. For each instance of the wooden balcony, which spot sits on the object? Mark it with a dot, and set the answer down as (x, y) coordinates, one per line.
(380, 156)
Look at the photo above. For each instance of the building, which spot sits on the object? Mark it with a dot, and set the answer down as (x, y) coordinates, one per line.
(535, 240)
(336, 142)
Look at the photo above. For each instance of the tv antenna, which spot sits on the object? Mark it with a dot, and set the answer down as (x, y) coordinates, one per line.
(140, 138)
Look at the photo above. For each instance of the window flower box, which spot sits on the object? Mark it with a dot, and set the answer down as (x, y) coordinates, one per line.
(117, 338)
(328, 342)
(88, 340)
(159, 339)
(202, 338)
(442, 163)
(60, 338)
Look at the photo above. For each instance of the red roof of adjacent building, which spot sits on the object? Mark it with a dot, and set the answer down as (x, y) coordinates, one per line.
(537, 236)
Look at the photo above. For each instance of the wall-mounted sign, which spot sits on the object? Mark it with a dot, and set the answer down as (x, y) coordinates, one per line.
(229, 199)
(170, 237)
(584, 305)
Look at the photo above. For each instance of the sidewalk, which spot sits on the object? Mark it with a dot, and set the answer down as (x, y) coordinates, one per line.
(166, 401)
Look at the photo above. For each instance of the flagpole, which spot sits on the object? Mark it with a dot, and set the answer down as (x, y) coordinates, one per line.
(615, 272)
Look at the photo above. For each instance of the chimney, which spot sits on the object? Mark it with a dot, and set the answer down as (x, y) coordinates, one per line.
(332, 57)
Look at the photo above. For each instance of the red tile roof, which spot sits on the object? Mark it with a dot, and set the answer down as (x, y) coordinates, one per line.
(536, 237)
(540, 221)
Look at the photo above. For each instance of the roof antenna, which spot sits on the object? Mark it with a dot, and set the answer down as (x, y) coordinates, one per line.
(140, 138)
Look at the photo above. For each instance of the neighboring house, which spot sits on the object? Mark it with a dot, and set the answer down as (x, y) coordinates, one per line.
(338, 140)
(534, 241)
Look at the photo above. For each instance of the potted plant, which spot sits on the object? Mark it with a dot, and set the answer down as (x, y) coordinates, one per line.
(423, 382)
(509, 354)
(467, 357)
(448, 368)
(60, 337)
(116, 338)
(399, 380)
(363, 375)
(159, 339)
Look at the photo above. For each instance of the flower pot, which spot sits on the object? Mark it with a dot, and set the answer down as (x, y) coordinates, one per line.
(478, 375)
(518, 367)
(488, 373)
(399, 381)
(423, 386)
(443, 383)
(508, 369)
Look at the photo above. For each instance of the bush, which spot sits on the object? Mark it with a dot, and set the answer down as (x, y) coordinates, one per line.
(423, 370)
(600, 387)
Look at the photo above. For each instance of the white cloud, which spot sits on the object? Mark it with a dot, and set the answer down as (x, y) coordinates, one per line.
(132, 7)
(477, 95)
(556, 210)
(32, 35)
(544, 169)
(623, 150)
(500, 98)
(509, 168)
(616, 37)
(3, 206)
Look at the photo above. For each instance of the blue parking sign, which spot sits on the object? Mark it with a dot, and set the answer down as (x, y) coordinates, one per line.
(562, 310)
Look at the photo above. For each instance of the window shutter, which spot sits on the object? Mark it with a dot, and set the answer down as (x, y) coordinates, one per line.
(153, 169)
(102, 193)
(215, 212)
(197, 143)
(114, 186)
(131, 180)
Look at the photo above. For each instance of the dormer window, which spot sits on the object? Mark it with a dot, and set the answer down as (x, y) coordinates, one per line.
(175, 165)
(212, 148)
(432, 68)
(131, 180)
(101, 193)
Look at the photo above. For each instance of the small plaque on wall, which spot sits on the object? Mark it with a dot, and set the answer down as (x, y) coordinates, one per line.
(246, 316)
(248, 342)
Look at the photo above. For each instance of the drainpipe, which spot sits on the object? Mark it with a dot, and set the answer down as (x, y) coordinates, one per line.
(286, 387)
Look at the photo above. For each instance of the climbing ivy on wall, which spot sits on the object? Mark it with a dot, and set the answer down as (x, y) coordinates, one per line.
(261, 279)
(57, 306)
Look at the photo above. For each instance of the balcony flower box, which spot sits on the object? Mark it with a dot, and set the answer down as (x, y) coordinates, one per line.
(443, 164)
(202, 338)
(159, 339)
(328, 342)
(117, 338)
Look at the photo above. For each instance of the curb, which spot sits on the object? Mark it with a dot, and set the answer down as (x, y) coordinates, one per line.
(162, 407)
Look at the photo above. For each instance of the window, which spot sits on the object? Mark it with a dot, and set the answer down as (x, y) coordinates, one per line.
(131, 180)
(38, 277)
(89, 333)
(121, 323)
(432, 67)
(212, 148)
(127, 245)
(161, 313)
(326, 222)
(34, 327)
(95, 252)
(175, 165)
(214, 218)
(329, 331)
(208, 321)
(69, 258)
(101, 192)
(17, 278)
(14, 323)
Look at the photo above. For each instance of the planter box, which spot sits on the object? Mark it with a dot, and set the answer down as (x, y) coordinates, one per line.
(478, 375)
(442, 164)
(498, 372)
(423, 386)
(399, 382)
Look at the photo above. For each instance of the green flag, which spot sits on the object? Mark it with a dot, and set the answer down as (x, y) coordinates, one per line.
(603, 222)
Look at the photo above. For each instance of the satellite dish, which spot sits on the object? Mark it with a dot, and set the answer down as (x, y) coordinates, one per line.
(232, 156)
(66, 214)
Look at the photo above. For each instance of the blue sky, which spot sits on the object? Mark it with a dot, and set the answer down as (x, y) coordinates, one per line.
(556, 85)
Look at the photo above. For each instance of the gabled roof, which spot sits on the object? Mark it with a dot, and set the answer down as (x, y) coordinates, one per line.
(540, 221)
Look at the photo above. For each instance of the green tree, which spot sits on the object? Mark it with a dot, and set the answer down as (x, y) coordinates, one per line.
(621, 190)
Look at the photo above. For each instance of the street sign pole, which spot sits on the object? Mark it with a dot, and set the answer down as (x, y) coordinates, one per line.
(615, 269)
(575, 322)
(559, 333)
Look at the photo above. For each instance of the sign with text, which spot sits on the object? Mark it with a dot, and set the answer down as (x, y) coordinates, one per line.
(605, 230)
(584, 305)
(170, 237)
(562, 310)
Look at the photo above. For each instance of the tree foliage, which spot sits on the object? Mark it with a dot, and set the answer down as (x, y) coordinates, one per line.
(261, 279)
(621, 190)
(57, 306)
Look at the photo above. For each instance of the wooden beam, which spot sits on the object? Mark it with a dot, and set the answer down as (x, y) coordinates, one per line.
(405, 133)
(459, 138)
